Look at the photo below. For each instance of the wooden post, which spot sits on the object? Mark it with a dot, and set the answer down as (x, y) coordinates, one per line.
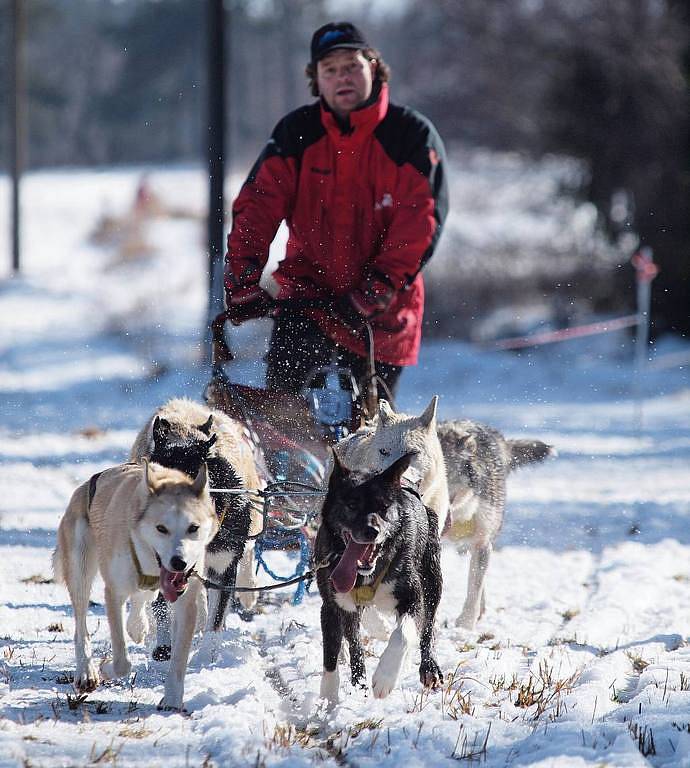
(215, 131)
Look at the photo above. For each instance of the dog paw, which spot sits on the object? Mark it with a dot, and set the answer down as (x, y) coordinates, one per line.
(111, 670)
(330, 683)
(138, 628)
(245, 614)
(170, 705)
(466, 621)
(430, 674)
(88, 680)
(382, 683)
(161, 653)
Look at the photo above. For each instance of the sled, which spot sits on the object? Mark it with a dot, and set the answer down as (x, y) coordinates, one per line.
(292, 435)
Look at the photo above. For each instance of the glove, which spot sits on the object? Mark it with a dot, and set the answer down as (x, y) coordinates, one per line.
(248, 303)
(365, 302)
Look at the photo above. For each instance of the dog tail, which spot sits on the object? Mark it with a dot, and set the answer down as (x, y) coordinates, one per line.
(527, 452)
(71, 531)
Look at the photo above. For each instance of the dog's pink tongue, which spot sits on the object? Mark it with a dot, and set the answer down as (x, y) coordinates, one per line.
(172, 584)
(344, 574)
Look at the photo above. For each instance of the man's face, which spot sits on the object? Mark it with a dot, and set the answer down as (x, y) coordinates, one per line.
(345, 80)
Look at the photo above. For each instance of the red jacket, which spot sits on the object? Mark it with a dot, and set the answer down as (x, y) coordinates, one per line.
(363, 202)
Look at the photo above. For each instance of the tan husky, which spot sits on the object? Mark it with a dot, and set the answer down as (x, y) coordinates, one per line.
(144, 527)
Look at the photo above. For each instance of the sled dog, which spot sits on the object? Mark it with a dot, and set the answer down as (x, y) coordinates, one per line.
(478, 460)
(183, 434)
(392, 435)
(462, 467)
(144, 527)
(382, 546)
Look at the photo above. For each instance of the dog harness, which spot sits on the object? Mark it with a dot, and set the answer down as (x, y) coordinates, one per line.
(462, 529)
(364, 594)
(144, 580)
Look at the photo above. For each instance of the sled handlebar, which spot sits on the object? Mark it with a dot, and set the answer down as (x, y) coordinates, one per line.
(221, 352)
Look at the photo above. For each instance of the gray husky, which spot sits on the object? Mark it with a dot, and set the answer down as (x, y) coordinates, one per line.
(392, 435)
(461, 467)
(478, 460)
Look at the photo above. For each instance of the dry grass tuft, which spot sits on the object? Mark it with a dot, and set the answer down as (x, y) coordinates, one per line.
(544, 691)
(638, 663)
(37, 578)
(644, 738)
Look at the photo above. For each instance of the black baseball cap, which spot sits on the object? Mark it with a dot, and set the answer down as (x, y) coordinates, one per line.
(339, 34)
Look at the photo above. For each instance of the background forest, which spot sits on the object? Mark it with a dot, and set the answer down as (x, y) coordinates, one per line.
(511, 84)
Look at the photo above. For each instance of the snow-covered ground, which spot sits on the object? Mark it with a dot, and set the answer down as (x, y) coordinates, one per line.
(582, 658)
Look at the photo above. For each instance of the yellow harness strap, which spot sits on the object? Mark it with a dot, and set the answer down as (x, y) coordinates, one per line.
(364, 594)
(145, 581)
(462, 529)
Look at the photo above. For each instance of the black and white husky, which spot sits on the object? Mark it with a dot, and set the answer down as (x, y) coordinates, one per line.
(382, 546)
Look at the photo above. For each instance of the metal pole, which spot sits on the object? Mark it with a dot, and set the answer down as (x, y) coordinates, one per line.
(645, 271)
(216, 159)
(17, 119)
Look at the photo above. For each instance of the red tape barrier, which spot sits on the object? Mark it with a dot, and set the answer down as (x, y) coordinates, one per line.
(548, 337)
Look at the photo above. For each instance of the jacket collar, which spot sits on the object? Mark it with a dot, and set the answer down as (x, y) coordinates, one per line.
(362, 121)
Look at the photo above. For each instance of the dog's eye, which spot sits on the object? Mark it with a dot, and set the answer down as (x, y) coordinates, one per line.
(384, 451)
(162, 529)
(193, 528)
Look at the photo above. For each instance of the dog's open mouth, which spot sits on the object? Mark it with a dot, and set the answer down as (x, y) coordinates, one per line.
(173, 583)
(357, 559)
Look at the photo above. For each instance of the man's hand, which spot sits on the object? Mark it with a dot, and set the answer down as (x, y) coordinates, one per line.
(372, 297)
(365, 302)
(248, 303)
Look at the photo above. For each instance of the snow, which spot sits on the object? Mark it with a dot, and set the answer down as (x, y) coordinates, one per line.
(582, 658)
(504, 203)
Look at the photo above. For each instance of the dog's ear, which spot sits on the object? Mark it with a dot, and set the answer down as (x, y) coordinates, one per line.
(386, 413)
(428, 418)
(206, 428)
(211, 441)
(150, 478)
(397, 469)
(339, 470)
(160, 431)
(200, 481)
(468, 443)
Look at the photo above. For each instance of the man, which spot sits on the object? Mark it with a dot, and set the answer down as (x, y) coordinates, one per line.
(361, 184)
